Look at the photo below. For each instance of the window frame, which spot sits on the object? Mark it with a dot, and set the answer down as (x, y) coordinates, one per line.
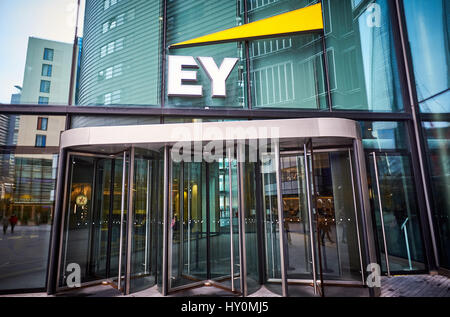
(42, 88)
(49, 71)
(43, 140)
(40, 124)
(47, 56)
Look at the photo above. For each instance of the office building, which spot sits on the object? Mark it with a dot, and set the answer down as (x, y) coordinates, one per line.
(235, 144)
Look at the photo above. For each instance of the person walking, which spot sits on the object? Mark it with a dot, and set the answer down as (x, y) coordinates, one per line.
(5, 223)
(13, 221)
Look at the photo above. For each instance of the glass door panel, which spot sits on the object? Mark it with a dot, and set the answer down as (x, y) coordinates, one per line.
(224, 225)
(146, 194)
(79, 208)
(296, 218)
(115, 221)
(188, 225)
(337, 217)
(271, 222)
(204, 231)
(321, 227)
(92, 223)
(99, 244)
(396, 213)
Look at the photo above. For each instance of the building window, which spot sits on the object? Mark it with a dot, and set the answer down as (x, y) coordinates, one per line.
(264, 47)
(41, 140)
(110, 72)
(42, 123)
(112, 98)
(109, 3)
(114, 22)
(47, 70)
(111, 47)
(268, 82)
(43, 101)
(48, 54)
(45, 86)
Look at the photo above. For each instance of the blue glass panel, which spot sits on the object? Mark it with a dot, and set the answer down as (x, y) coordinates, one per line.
(428, 32)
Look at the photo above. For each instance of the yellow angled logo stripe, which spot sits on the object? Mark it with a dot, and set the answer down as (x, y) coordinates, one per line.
(303, 20)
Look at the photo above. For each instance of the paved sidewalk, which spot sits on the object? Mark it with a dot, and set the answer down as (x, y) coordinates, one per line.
(415, 286)
(397, 286)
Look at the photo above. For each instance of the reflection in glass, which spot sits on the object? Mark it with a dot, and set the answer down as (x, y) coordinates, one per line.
(438, 104)
(336, 216)
(27, 195)
(121, 54)
(437, 136)
(101, 121)
(296, 218)
(190, 19)
(334, 221)
(251, 228)
(188, 238)
(288, 73)
(396, 191)
(146, 195)
(271, 227)
(200, 232)
(92, 218)
(27, 184)
(429, 38)
(363, 62)
(385, 135)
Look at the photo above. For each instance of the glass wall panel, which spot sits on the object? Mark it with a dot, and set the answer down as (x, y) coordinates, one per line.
(393, 196)
(251, 228)
(286, 72)
(92, 219)
(428, 24)
(28, 44)
(189, 19)
(363, 66)
(437, 136)
(146, 206)
(102, 121)
(384, 135)
(296, 218)
(271, 223)
(392, 183)
(336, 219)
(120, 62)
(438, 104)
(198, 120)
(27, 200)
(27, 185)
(188, 224)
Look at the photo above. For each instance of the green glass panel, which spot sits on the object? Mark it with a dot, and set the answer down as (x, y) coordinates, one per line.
(437, 135)
(363, 63)
(189, 19)
(396, 191)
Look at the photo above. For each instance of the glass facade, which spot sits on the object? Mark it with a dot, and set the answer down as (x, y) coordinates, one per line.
(363, 63)
(27, 181)
(117, 75)
(437, 136)
(428, 31)
(429, 40)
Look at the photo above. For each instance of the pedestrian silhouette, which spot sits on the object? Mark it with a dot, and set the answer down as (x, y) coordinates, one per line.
(5, 223)
(13, 221)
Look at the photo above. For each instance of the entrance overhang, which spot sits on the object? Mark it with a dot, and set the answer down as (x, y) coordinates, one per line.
(289, 134)
(112, 139)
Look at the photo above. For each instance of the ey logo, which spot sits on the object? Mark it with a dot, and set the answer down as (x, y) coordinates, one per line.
(180, 81)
